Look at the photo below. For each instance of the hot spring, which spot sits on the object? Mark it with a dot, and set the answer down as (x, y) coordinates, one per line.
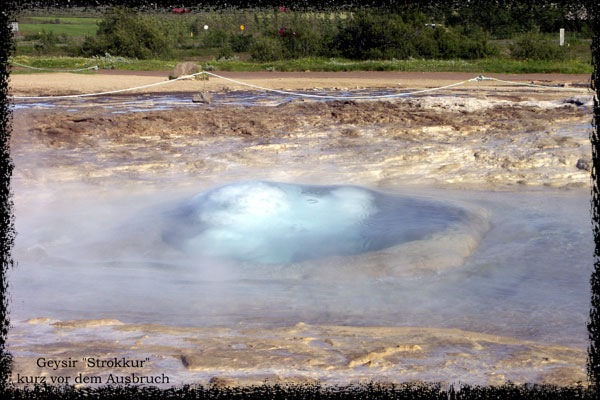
(265, 253)
(174, 222)
(269, 222)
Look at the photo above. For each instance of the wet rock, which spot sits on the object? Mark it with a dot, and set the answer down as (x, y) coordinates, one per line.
(87, 323)
(394, 137)
(567, 142)
(449, 167)
(584, 164)
(350, 132)
(202, 97)
(222, 381)
(58, 131)
(579, 100)
(563, 142)
(563, 376)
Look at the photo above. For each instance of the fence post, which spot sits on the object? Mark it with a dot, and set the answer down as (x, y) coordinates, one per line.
(561, 40)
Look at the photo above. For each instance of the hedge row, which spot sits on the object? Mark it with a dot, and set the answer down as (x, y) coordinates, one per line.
(362, 35)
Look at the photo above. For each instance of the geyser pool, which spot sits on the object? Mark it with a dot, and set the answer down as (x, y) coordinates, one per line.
(280, 223)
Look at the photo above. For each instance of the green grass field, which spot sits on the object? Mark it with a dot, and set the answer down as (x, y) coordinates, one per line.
(69, 20)
(315, 64)
(83, 62)
(60, 29)
(492, 65)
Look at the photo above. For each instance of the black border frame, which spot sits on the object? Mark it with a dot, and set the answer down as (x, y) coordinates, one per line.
(372, 391)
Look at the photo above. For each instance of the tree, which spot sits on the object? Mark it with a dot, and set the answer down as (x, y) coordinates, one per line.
(124, 32)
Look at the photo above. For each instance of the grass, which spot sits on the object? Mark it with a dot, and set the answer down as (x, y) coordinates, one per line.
(60, 12)
(53, 62)
(69, 20)
(315, 64)
(576, 49)
(492, 65)
(102, 62)
(29, 72)
(60, 29)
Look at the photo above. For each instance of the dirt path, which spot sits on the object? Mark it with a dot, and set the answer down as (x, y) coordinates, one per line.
(48, 84)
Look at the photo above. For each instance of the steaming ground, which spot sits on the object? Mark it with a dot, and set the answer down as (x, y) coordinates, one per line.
(118, 213)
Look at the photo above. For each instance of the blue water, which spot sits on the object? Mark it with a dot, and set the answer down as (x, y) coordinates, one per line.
(270, 222)
(157, 102)
(528, 277)
(108, 253)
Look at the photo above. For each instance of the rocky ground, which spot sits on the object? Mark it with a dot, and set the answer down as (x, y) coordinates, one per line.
(297, 354)
(481, 141)
(494, 139)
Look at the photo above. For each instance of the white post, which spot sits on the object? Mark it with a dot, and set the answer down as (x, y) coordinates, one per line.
(561, 41)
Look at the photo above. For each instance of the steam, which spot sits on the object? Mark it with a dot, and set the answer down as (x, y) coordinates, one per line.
(278, 223)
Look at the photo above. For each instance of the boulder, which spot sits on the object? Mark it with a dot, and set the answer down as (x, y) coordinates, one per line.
(186, 68)
(584, 164)
(580, 100)
(202, 97)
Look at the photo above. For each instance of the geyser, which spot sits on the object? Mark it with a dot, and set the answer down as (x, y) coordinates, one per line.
(278, 223)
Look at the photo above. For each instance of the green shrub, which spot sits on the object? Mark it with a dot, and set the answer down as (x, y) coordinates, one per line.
(448, 43)
(369, 35)
(385, 36)
(31, 36)
(108, 61)
(531, 47)
(266, 49)
(240, 42)
(300, 42)
(474, 43)
(214, 38)
(426, 46)
(46, 42)
(225, 53)
(124, 32)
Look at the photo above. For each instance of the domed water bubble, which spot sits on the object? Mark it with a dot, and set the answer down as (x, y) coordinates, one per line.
(281, 223)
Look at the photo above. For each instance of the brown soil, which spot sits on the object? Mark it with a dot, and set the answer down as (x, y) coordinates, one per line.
(296, 354)
(266, 122)
(415, 140)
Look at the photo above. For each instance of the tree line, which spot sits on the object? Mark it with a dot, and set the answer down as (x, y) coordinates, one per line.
(450, 30)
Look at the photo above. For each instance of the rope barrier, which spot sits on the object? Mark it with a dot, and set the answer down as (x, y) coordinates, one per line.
(339, 97)
(476, 79)
(95, 67)
(484, 78)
